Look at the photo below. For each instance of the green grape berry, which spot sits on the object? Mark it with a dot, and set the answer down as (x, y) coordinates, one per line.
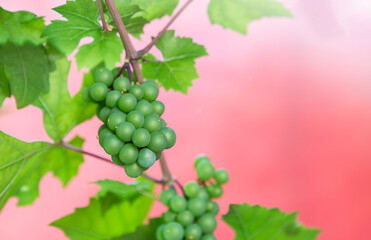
(144, 107)
(221, 176)
(136, 118)
(129, 153)
(157, 143)
(133, 170)
(200, 158)
(160, 232)
(103, 134)
(115, 119)
(173, 231)
(191, 189)
(98, 91)
(112, 145)
(185, 218)
(127, 102)
(207, 222)
(168, 217)
(112, 98)
(178, 204)
(170, 136)
(86, 95)
(208, 237)
(205, 170)
(104, 114)
(197, 206)
(150, 90)
(101, 128)
(115, 71)
(137, 91)
(193, 232)
(159, 107)
(121, 84)
(203, 194)
(152, 123)
(141, 137)
(124, 131)
(158, 154)
(146, 158)
(117, 160)
(166, 196)
(163, 123)
(103, 75)
(217, 191)
(212, 207)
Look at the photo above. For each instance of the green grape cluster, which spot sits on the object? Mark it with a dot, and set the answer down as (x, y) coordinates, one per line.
(133, 132)
(193, 216)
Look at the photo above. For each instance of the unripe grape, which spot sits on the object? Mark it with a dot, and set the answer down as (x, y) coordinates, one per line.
(221, 176)
(157, 143)
(152, 123)
(101, 128)
(146, 158)
(191, 189)
(136, 118)
(128, 154)
(197, 206)
(208, 237)
(200, 158)
(163, 123)
(137, 91)
(98, 91)
(159, 107)
(178, 204)
(116, 160)
(168, 217)
(103, 75)
(144, 107)
(150, 90)
(193, 232)
(86, 95)
(115, 71)
(166, 196)
(170, 136)
(114, 120)
(203, 194)
(112, 145)
(207, 222)
(104, 114)
(173, 231)
(116, 109)
(158, 154)
(205, 170)
(217, 191)
(127, 102)
(103, 134)
(124, 131)
(112, 98)
(141, 137)
(121, 84)
(133, 170)
(212, 207)
(160, 232)
(185, 218)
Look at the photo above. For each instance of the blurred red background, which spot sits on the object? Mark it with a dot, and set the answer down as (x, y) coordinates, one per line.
(286, 109)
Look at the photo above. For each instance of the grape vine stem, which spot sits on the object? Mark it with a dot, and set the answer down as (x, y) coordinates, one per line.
(133, 56)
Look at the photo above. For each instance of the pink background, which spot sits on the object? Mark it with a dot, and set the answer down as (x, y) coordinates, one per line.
(286, 109)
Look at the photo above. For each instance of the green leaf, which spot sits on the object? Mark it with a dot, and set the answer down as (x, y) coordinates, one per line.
(105, 49)
(259, 223)
(177, 70)
(237, 14)
(144, 232)
(97, 221)
(23, 165)
(156, 8)
(27, 70)
(61, 111)
(4, 85)
(20, 27)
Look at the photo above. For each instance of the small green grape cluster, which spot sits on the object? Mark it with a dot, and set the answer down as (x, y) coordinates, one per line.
(192, 217)
(133, 132)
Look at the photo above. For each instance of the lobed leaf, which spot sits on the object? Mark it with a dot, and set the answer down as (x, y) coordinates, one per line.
(259, 223)
(156, 8)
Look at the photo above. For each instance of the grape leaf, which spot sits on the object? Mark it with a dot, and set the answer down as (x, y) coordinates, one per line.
(20, 27)
(61, 111)
(23, 165)
(27, 68)
(156, 8)
(237, 14)
(259, 223)
(100, 50)
(143, 232)
(177, 69)
(4, 85)
(97, 221)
